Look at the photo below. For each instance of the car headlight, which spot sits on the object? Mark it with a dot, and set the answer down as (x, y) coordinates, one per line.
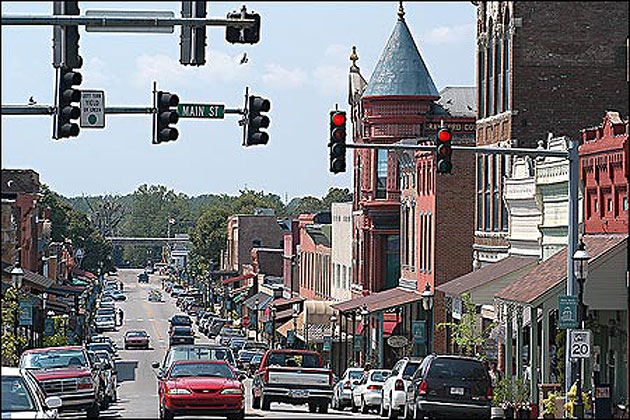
(85, 382)
(232, 391)
(179, 391)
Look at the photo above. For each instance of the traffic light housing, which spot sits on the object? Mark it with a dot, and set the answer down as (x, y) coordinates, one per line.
(67, 111)
(164, 117)
(255, 121)
(337, 143)
(249, 35)
(444, 151)
(193, 39)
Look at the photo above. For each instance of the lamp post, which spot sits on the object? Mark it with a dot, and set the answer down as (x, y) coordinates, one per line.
(17, 275)
(427, 304)
(256, 317)
(580, 268)
(273, 327)
(295, 318)
(366, 322)
(65, 325)
(333, 324)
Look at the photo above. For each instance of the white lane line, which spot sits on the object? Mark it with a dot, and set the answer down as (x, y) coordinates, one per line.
(140, 319)
(151, 319)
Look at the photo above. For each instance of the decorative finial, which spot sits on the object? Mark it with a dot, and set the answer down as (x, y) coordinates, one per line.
(401, 11)
(354, 58)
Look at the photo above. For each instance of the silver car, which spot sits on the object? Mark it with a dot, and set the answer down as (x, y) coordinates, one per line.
(367, 394)
(342, 392)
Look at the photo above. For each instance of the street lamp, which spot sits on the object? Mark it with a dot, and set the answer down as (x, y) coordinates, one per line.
(273, 327)
(427, 304)
(65, 325)
(333, 322)
(580, 268)
(256, 317)
(366, 322)
(295, 318)
(44, 299)
(17, 275)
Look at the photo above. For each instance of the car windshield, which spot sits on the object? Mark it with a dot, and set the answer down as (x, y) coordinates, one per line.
(257, 358)
(54, 360)
(217, 370)
(15, 395)
(100, 346)
(467, 370)
(200, 353)
(306, 360)
(410, 369)
(137, 334)
(355, 374)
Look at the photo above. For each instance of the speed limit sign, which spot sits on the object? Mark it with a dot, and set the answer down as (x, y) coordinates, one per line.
(580, 344)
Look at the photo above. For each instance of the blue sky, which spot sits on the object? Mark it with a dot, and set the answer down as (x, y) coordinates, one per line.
(301, 65)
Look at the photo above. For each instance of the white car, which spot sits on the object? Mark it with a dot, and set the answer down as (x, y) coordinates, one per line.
(22, 398)
(342, 392)
(366, 395)
(105, 323)
(395, 387)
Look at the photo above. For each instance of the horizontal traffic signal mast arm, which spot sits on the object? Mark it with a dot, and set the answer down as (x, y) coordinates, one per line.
(49, 110)
(28, 20)
(482, 150)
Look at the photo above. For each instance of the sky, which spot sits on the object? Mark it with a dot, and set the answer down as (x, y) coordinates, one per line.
(301, 65)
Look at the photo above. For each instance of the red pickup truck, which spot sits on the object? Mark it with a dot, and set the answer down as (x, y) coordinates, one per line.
(293, 377)
(67, 373)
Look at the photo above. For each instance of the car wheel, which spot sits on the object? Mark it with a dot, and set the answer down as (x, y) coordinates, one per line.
(323, 408)
(364, 407)
(312, 407)
(265, 403)
(93, 412)
(391, 413)
(168, 414)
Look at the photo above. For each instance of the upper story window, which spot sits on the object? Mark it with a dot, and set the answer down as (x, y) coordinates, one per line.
(486, 199)
(381, 173)
(490, 71)
(497, 76)
(482, 80)
(495, 193)
(504, 212)
(506, 62)
(479, 192)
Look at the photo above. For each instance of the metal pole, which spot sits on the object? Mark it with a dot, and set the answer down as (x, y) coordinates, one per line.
(109, 110)
(98, 21)
(571, 290)
(482, 150)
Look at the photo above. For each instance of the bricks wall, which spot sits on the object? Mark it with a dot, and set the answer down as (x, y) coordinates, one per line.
(251, 228)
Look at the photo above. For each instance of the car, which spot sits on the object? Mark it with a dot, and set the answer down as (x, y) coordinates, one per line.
(450, 386)
(176, 290)
(254, 363)
(155, 296)
(143, 278)
(105, 323)
(181, 390)
(23, 398)
(216, 325)
(102, 378)
(342, 392)
(256, 345)
(237, 343)
(118, 295)
(136, 338)
(180, 319)
(395, 387)
(102, 346)
(194, 352)
(110, 374)
(71, 366)
(180, 334)
(227, 334)
(244, 357)
(102, 339)
(367, 394)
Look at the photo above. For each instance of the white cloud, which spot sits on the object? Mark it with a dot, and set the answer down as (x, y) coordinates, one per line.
(337, 50)
(95, 74)
(284, 78)
(331, 79)
(449, 34)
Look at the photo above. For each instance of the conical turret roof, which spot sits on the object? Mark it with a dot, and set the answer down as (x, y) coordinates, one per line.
(401, 71)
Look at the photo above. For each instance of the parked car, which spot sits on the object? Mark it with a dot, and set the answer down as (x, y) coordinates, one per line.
(155, 296)
(118, 295)
(136, 338)
(181, 390)
(102, 346)
(451, 386)
(227, 334)
(102, 378)
(22, 398)
(176, 290)
(67, 373)
(105, 323)
(395, 387)
(180, 334)
(244, 357)
(342, 392)
(293, 377)
(216, 325)
(194, 352)
(143, 278)
(367, 394)
(102, 339)
(110, 374)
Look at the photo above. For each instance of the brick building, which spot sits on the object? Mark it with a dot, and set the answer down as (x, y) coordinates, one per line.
(291, 240)
(604, 161)
(541, 67)
(315, 255)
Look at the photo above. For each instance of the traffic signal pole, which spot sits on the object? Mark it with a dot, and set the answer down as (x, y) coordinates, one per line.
(572, 373)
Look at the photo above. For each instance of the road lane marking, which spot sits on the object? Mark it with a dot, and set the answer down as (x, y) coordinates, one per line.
(140, 319)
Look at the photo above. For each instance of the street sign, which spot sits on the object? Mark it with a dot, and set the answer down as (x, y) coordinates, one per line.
(201, 110)
(418, 330)
(49, 327)
(358, 342)
(290, 337)
(129, 28)
(327, 343)
(580, 344)
(567, 310)
(26, 312)
(397, 341)
(92, 109)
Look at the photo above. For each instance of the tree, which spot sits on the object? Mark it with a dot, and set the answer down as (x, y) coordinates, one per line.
(11, 343)
(307, 204)
(336, 195)
(210, 233)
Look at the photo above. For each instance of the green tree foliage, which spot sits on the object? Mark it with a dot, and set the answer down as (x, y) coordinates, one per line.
(11, 343)
(210, 233)
(59, 338)
(336, 195)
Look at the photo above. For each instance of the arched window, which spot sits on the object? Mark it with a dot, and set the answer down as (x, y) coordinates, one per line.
(490, 71)
(506, 61)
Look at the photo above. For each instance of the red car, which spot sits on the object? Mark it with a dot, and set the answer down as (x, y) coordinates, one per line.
(136, 338)
(201, 388)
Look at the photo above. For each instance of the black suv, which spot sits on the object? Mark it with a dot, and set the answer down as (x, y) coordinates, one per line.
(450, 386)
(180, 320)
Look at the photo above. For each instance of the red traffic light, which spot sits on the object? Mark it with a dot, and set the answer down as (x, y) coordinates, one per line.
(445, 135)
(339, 119)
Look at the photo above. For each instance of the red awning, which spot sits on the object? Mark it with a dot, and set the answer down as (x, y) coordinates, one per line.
(388, 327)
(239, 278)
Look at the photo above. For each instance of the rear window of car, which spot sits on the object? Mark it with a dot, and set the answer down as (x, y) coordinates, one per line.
(200, 353)
(355, 374)
(410, 369)
(305, 360)
(461, 369)
(181, 330)
(379, 376)
(179, 319)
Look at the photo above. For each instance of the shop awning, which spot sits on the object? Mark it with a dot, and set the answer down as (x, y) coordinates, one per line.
(315, 316)
(388, 327)
(483, 283)
(239, 290)
(238, 278)
(283, 302)
(380, 301)
(604, 288)
(30, 278)
(263, 301)
(280, 316)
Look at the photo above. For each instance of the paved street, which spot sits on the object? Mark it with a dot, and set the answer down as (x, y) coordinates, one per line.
(138, 385)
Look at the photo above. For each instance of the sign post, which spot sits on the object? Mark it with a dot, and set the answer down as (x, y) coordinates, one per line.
(418, 330)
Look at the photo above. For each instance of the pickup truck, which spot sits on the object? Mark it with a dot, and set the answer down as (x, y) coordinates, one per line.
(293, 377)
(67, 373)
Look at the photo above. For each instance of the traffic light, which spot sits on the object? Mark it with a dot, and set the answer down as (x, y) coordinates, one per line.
(256, 121)
(249, 35)
(444, 151)
(163, 132)
(67, 94)
(193, 39)
(337, 143)
(66, 38)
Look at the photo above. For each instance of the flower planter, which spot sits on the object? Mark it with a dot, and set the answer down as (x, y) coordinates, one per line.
(509, 412)
(497, 413)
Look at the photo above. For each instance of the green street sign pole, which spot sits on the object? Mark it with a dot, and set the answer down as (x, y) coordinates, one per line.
(210, 111)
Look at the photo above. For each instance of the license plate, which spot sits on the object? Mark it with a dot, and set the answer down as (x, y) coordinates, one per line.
(457, 391)
(299, 393)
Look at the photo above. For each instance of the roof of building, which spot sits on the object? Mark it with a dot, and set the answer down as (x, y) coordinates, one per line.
(263, 300)
(553, 271)
(319, 233)
(401, 71)
(20, 181)
(459, 101)
(380, 301)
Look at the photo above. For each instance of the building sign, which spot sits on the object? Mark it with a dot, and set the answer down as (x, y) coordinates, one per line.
(457, 308)
(358, 342)
(26, 313)
(397, 341)
(418, 330)
(454, 126)
(567, 310)
(327, 343)
(290, 337)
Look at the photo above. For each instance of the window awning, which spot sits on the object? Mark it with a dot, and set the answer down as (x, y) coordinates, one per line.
(238, 278)
(380, 301)
(388, 327)
(239, 290)
(280, 316)
(263, 301)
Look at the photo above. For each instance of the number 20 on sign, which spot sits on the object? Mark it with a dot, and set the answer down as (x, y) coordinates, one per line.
(580, 345)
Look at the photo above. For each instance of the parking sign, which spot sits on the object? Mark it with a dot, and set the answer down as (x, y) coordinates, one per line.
(580, 344)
